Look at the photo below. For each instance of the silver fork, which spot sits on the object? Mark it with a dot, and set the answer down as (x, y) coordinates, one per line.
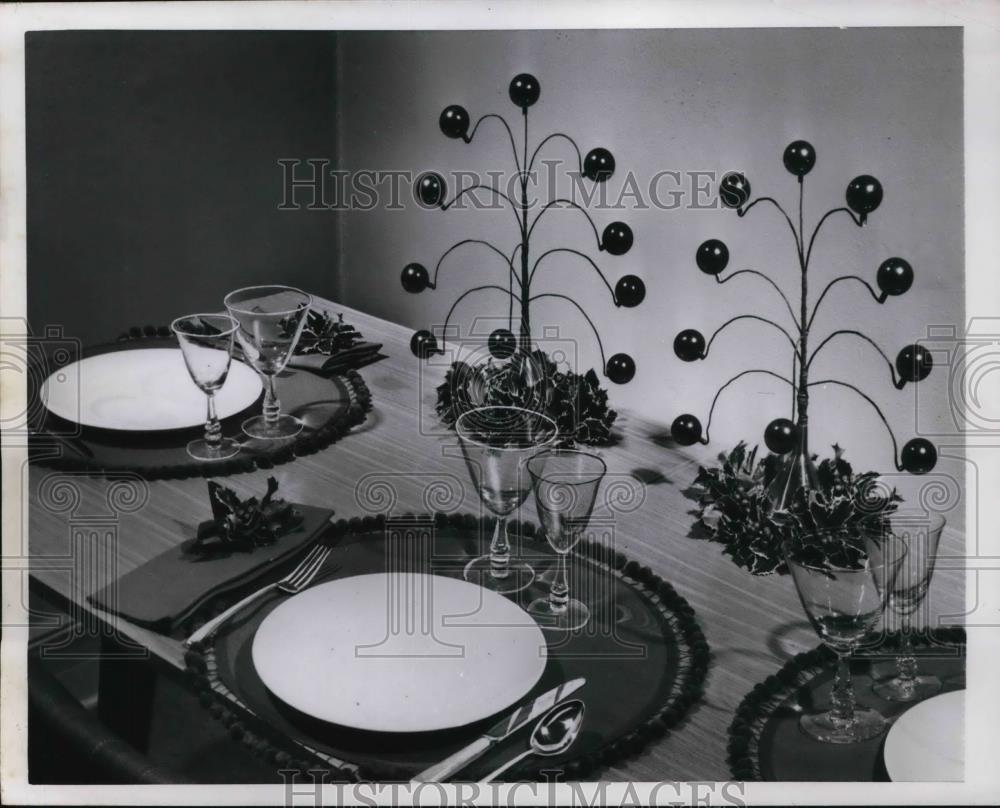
(293, 583)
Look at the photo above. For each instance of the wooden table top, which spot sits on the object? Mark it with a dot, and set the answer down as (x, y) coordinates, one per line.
(753, 624)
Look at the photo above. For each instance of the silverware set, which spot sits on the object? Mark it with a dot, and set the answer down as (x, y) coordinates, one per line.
(558, 722)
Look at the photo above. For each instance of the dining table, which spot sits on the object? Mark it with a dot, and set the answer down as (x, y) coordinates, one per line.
(87, 530)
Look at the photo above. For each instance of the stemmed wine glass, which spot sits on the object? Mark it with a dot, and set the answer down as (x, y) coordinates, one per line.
(206, 342)
(496, 443)
(566, 483)
(844, 598)
(270, 322)
(921, 534)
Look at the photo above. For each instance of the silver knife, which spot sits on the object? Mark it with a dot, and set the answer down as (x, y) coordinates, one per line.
(503, 729)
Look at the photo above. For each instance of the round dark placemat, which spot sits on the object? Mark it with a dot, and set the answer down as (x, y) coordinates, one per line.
(328, 406)
(643, 655)
(766, 743)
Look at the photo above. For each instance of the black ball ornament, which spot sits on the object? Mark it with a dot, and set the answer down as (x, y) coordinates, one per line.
(918, 456)
(864, 194)
(524, 90)
(734, 190)
(914, 363)
(598, 165)
(630, 291)
(781, 436)
(799, 158)
(415, 278)
(712, 256)
(894, 276)
(423, 344)
(689, 345)
(454, 121)
(686, 430)
(617, 238)
(620, 369)
(431, 189)
(502, 344)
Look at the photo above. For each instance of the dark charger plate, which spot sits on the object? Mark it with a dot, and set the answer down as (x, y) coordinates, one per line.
(643, 655)
(329, 407)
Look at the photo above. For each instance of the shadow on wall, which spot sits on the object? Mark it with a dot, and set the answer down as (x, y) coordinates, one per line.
(152, 176)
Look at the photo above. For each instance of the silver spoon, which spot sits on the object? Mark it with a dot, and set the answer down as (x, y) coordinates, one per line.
(553, 734)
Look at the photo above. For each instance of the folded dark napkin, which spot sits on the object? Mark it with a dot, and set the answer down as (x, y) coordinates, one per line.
(364, 353)
(166, 590)
(329, 345)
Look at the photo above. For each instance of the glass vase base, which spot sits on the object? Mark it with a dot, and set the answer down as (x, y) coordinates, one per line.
(481, 571)
(284, 426)
(572, 616)
(867, 724)
(201, 449)
(916, 689)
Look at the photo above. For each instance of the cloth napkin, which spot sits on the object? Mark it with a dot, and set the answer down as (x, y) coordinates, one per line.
(357, 356)
(162, 593)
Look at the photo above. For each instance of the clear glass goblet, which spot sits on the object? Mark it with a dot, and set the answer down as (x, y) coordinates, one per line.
(206, 342)
(270, 323)
(496, 443)
(566, 483)
(844, 601)
(921, 533)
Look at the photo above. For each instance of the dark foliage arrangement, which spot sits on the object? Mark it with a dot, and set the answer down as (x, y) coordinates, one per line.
(576, 402)
(824, 524)
(322, 334)
(244, 524)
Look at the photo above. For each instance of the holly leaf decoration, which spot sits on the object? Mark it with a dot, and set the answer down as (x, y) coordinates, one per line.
(826, 524)
(321, 333)
(244, 524)
(576, 402)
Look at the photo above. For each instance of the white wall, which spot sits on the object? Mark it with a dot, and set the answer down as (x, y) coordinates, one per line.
(880, 101)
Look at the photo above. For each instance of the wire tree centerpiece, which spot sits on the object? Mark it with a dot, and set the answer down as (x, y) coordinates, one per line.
(516, 372)
(789, 437)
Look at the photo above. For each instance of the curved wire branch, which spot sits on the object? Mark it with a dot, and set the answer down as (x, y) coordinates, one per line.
(572, 204)
(600, 345)
(497, 250)
(879, 297)
(899, 384)
(777, 288)
(495, 191)
(819, 225)
(465, 294)
(584, 256)
(510, 134)
(579, 156)
(892, 436)
(711, 410)
(798, 241)
(711, 339)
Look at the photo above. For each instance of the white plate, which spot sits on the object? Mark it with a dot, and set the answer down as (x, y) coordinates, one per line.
(147, 389)
(399, 652)
(927, 742)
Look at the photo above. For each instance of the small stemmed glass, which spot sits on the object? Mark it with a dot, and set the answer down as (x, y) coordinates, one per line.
(496, 443)
(270, 323)
(206, 342)
(566, 483)
(921, 534)
(844, 601)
